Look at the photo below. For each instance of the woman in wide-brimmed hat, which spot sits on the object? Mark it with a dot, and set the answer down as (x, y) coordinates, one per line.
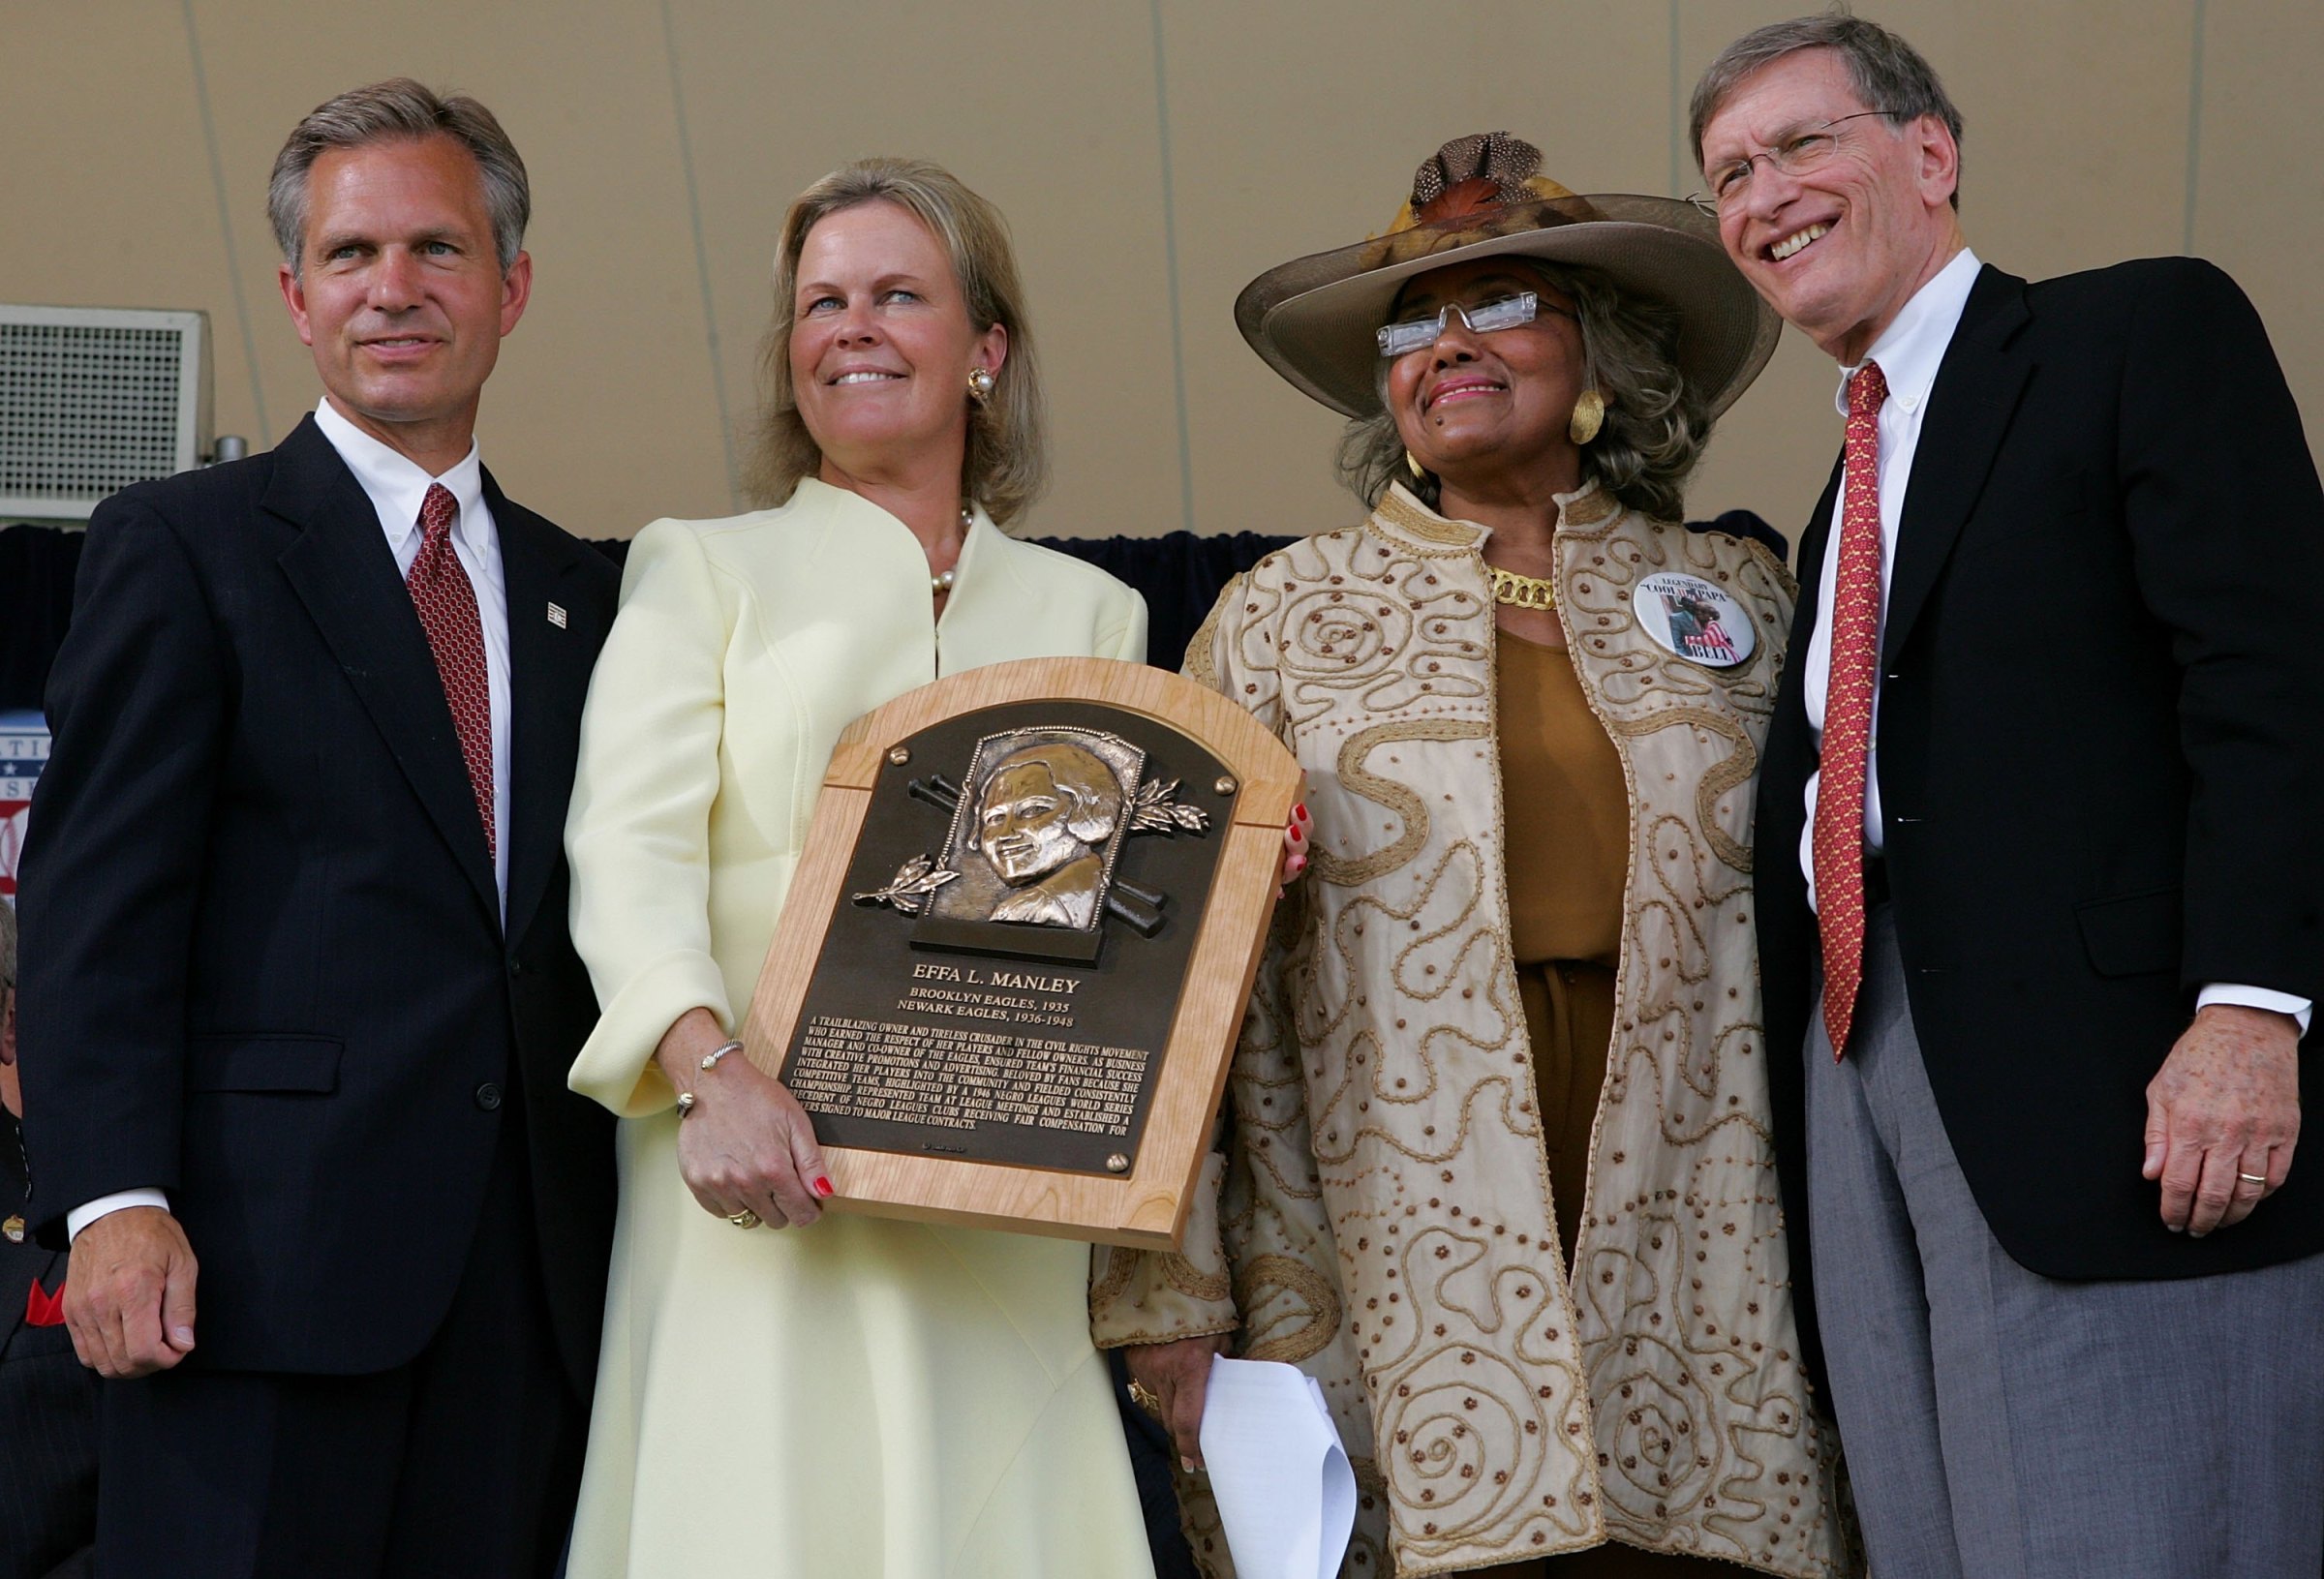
(1498, 1173)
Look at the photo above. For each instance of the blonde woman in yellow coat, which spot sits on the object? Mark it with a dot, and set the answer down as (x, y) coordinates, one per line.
(853, 1396)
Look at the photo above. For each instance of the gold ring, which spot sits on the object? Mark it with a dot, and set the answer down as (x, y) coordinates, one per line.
(1144, 1397)
(2252, 1178)
(746, 1219)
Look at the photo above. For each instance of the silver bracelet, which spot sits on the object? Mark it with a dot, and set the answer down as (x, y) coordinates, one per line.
(710, 1060)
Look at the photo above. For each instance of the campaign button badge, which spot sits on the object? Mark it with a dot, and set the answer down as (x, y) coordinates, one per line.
(1698, 620)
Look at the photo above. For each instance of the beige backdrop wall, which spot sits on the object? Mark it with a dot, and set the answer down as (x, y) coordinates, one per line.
(1152, 156)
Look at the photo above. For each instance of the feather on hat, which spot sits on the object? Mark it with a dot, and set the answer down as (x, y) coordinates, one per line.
(1483, 195)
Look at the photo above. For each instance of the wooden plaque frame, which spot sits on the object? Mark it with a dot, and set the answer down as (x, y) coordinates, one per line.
(1145, 1207)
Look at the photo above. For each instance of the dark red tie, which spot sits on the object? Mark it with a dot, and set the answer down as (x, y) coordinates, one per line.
(1839, 839)
(447, 611)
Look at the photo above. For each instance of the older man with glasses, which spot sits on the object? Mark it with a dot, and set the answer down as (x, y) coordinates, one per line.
(2040, 873)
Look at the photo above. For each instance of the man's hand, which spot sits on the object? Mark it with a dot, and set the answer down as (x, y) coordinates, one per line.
(128, 1294)
(2223, 1112)
(1178, 1375)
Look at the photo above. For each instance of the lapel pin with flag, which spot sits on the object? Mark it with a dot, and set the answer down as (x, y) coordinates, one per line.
(557, 615)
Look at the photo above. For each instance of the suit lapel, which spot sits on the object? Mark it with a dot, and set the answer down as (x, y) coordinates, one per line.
(1971, 405)
(1814, 544)
(340, 567)
(1790, 754)
(549, 666)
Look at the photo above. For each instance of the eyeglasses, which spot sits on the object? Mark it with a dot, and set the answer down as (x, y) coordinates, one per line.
(1501, 313)
(1795, 155)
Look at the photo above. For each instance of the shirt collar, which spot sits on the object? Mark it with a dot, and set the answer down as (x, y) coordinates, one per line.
(1912, 348)
(396, 484)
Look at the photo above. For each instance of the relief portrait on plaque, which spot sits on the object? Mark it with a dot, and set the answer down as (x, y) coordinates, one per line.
(1046, 819)
(1007, 984)
(1039, 818)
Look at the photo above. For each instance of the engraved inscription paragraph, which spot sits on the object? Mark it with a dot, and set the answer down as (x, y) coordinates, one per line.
(935, 1074)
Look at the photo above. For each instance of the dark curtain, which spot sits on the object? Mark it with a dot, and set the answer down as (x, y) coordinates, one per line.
(36, 603)
(1180, 574)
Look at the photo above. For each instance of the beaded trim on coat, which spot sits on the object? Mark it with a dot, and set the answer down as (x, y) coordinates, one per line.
(1382, 1218)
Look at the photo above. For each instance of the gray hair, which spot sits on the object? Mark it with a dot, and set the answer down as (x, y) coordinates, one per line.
(1006, 466)
(399, 109)
(1887, 74)
(1655, 428)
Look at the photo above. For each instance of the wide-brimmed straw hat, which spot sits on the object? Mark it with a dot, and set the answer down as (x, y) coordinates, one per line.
(1314, 318)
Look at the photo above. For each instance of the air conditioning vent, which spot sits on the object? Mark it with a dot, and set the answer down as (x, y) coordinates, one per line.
(93, 399)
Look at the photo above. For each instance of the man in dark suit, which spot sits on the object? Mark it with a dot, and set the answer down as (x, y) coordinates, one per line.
(298, 994)
(2039, 875)
(48, 1402)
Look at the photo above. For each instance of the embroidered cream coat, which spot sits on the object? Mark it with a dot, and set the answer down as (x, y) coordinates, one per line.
(1382, 1217)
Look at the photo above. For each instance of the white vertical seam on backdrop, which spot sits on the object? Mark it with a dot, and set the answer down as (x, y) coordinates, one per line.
(693, 214)
(1677, 121)
(266, 435)
(2194, 128)
(1170, 252)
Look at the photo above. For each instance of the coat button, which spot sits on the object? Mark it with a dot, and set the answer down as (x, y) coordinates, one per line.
(516, 967)
(488, 1096)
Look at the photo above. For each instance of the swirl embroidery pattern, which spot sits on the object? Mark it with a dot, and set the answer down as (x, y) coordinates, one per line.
(1386, 1204)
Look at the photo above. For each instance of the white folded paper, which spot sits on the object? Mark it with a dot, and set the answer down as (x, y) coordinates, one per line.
(1285, 1493)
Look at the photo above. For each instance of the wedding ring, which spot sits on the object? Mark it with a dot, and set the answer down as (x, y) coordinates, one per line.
(2252, 1178)
(1144, 1397)
(746, 1219)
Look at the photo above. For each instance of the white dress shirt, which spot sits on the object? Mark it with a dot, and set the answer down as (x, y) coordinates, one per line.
(1910, 351)
(396, 485)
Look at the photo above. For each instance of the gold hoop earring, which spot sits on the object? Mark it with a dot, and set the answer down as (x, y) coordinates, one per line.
(1412, 464)
(980, 384)
(1589, 416)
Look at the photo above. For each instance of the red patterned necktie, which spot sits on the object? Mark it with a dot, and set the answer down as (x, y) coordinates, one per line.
(1839, 840)
(447, 611)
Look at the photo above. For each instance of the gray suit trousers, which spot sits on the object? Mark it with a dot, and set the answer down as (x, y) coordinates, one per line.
(2003, 1425)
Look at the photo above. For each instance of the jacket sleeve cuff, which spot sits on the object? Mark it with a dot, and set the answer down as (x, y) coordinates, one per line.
(120, 1200)
(616, 1066)
(1158, 1296)
(2257, 997)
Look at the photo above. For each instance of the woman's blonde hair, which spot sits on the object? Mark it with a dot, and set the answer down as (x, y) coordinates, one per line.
(1006, 466)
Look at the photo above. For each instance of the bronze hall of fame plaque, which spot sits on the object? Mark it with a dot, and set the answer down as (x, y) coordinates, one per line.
(1008, 977)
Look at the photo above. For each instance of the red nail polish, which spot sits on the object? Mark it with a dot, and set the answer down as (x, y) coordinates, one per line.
(1300, 812)
(823, 1186)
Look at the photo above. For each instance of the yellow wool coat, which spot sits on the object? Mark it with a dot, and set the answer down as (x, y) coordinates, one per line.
(863, 1397)
(1382, 1217)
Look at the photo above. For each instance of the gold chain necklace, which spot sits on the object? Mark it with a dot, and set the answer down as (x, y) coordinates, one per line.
(1522, 592)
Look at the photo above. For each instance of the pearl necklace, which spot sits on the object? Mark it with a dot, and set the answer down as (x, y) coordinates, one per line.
(941, 584)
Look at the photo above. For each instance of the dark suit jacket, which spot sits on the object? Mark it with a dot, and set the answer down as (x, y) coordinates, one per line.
(263, 963)
(47, 1409)
(2101, 709)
